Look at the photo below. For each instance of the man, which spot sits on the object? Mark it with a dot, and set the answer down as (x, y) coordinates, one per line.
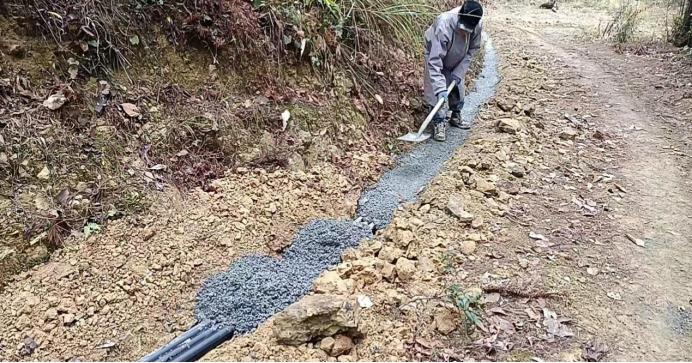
(451, 42)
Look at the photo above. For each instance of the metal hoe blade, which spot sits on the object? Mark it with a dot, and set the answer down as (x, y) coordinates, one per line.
(421, 135)
(414, 137)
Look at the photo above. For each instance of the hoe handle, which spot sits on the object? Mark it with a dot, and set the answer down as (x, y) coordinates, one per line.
(435, 109)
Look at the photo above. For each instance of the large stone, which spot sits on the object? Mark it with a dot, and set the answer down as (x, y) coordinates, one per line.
(316, 316)
(509, 125)
(405, 269)
(456, 206)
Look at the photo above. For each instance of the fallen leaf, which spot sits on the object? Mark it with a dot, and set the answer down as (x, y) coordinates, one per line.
(532, 314)
(614, 295)
(182, 153)
(63, 197)
(636, 241)
(107, 344)
(55, 101)
(537, 236)
(131, 110)
(498, 310)
(595, 350)
(492, 297)
(285, 116)
(379, 99)
(158, 167)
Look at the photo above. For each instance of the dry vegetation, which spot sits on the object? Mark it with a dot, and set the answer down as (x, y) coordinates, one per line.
(159, 94)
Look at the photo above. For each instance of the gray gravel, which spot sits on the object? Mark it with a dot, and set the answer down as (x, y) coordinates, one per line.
(413, 171)
(256, 287)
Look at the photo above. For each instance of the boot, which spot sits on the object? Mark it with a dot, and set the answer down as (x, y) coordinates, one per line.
(440, 131)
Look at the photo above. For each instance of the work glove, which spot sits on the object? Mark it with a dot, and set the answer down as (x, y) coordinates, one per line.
(457, 80)
(444, 95)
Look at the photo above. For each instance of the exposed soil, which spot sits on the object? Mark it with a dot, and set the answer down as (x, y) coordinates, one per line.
(579, 245)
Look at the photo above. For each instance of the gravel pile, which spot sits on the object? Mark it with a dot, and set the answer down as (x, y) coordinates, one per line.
(257, 287)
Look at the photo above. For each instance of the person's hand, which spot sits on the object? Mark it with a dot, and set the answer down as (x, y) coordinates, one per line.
(443, 95)
(456, 79)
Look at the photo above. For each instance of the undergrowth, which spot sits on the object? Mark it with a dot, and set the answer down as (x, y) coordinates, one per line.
(625, 22)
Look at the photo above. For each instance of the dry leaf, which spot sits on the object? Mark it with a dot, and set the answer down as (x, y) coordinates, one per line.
(131, 110)
(55, 101)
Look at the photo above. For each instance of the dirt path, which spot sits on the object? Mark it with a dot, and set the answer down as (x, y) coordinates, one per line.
(638, 101)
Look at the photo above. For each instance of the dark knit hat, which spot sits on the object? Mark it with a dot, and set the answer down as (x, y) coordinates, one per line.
(470, 14)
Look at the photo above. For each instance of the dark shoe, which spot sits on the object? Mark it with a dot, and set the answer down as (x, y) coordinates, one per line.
(440, 131)
(456, 121)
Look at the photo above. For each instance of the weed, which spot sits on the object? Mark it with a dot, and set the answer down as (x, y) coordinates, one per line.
(468, 304)
(623, 26)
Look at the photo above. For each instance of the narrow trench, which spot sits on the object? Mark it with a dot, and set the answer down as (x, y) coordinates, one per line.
(256, 287)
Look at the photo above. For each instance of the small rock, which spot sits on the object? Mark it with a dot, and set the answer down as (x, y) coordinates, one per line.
(445, 322)
(455, 206)
(568, 133)
(518, 171)
(342, 345)
(468, 247)
(509, 125)
(477, 223)
(486, 187)
(51, 314)
(390, 254)
(405, 269)
(326, 344)
(44, 174)
(371, 247)
(330, 282)
(388, 271)
(524, 263)
(592, 271)
(68, 319)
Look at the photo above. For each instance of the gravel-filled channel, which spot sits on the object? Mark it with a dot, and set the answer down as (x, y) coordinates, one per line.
(256, 287)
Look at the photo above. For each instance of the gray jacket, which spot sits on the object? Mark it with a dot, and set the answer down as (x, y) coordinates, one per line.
(448, 51)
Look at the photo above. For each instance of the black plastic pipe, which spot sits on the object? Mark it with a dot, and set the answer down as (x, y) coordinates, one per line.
(211, 342)
(192, 344)
(192, 332)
